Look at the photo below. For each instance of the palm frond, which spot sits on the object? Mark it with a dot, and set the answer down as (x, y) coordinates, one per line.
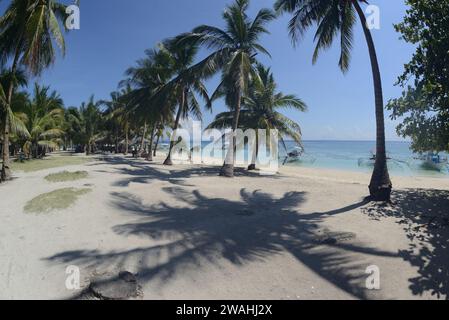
(17, 125)
(52, 133)
(332, 17)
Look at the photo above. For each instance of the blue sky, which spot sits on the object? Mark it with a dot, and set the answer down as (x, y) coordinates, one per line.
(114, 33)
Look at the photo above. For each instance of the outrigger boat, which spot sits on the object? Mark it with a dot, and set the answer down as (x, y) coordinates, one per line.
(371, 161)
(433, 161)
(298, 155)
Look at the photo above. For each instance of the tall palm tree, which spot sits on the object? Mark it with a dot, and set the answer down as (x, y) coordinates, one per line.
(44, 120)
(72, 127)
(337, 18)
(184, 85)
(235, 48)
(3, 102)
(148, 99)
(90, 122)
(119, 113)
(159, 136)
(127, 116)
(3, 107)
(113, 105)
(12, 112)
(28, 30)
(260, 110)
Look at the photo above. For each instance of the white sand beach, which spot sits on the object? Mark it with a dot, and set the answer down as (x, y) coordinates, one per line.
(189, 234)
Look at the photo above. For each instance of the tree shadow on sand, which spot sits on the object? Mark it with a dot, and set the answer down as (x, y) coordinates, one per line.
(214, 230)
(144, 172)
(424, 215)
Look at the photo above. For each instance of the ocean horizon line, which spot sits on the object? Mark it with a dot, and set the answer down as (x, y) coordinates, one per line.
(345, 140)
(328, 140)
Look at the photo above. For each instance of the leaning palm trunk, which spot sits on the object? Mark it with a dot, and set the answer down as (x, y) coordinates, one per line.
(380, 186)
(168, 161)
(228, 167)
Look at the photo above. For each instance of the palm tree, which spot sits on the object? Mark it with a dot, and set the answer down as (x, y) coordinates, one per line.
(159, 136)
(4, 109)
(72, 127)
(184, 85)
(127, 116)
(110, 113)
(119, 113)
(90, 122)
(3, 102)
(235, 48)
(28, 30)
(157, 123)
(44, 120)
(147, 97)
(336, 17)
(12, 112)
(260, 110)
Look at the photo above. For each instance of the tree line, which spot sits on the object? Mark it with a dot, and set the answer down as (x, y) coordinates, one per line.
(168, 84)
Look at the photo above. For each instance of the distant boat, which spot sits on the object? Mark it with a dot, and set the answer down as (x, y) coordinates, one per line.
(433, 161)
(298, 155)
(371, 161)
(295, 154)
(368, 162)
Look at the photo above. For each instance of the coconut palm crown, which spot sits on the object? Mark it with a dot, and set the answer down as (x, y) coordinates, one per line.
(28, 31)
(235, 48)
(335, 21)
(260, 110)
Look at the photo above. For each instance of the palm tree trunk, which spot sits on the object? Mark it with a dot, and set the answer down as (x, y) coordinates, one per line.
(142, 142)
(157, 144)
(126, 141)
(228, 167)
(6, 170)
(36, 151)
(116, 141)
(168, 161)
(150, 147)
(255, 153)
(88, 148)
(380, 186)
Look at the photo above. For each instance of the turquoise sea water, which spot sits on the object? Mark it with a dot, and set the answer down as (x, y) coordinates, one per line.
(354, 156)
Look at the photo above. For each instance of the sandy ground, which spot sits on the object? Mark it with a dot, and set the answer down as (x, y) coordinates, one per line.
(188, 234)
